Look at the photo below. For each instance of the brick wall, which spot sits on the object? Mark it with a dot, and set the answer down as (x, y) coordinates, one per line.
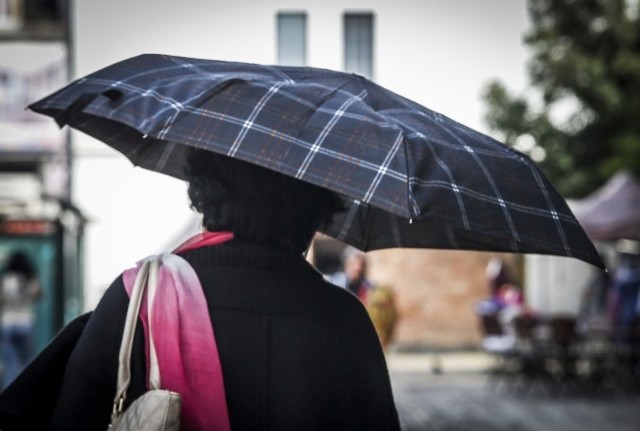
(436, 291)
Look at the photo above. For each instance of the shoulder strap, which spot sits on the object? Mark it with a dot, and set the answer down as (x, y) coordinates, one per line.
(152, 285)
(124, 358)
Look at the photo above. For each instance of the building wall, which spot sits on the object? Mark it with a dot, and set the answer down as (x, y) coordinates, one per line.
(438, 53)
(556, 285)
(436, 293)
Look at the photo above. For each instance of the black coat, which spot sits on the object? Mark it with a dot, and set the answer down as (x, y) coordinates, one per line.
(297, 353)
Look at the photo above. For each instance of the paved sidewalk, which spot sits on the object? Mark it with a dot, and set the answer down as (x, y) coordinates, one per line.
(460, 399)
(445, 362)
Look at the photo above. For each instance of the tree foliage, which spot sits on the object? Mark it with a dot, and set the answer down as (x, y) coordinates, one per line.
(586, 62)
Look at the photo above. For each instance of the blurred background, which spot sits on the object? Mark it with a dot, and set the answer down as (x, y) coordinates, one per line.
(558, 80)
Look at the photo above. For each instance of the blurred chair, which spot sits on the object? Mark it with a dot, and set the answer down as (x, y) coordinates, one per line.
(526, 326)
(532, 353)
(633, 362)
(500, 346)
(563, 351)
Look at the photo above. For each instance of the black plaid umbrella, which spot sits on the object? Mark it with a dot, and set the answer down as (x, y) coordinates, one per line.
(412, 177)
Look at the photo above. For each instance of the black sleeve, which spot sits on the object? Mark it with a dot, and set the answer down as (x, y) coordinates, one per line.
(29, 401)
(86, 396)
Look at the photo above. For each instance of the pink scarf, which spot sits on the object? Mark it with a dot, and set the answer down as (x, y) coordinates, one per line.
(184, 339)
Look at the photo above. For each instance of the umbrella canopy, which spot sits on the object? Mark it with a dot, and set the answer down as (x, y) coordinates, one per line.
(411, 177)
(613, 211)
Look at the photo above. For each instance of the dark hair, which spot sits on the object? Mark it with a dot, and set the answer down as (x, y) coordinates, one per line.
(256, 203)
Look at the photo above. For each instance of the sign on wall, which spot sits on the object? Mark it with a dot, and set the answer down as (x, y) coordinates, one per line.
(28, 72)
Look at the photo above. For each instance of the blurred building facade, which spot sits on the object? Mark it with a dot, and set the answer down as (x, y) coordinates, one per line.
(37, 215)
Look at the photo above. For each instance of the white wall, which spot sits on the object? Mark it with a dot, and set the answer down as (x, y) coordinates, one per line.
(438, 53)
(556, 285)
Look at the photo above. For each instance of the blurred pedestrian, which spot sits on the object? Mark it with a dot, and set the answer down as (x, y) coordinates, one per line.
(625, 291)
(383, 312)
(497, 276)
(353, 276)
(19, 290)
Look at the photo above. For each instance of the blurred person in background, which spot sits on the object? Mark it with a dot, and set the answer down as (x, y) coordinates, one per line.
(383, 312)
(498, 276)
(625, 292)
(353, 276)
(19, 290)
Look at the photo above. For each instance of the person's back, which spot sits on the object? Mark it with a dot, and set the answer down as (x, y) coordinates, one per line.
(297, 353)
(308, 357)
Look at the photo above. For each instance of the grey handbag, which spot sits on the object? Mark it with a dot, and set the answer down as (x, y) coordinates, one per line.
(156, 409)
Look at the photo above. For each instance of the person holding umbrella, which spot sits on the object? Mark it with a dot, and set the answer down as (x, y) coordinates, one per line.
(296, 352)
(281, 143)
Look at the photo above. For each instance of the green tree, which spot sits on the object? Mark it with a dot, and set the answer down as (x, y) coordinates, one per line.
(586, 62)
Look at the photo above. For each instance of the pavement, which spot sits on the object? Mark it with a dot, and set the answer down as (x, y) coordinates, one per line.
(452, 391)
(457, 361)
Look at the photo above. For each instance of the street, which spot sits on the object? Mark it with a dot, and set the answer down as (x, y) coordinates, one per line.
(464, 399)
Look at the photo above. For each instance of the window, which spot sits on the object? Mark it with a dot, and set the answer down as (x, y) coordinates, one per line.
(292, 39)
(358, 43)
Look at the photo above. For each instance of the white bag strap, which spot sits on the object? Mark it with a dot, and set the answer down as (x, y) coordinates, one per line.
(152, 285)
(147, 277)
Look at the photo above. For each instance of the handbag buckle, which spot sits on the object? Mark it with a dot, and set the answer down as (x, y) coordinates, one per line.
(118, 406)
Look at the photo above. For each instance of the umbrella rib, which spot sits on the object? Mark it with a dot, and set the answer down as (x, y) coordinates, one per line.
(382, 169)
(554, 213)
(169, 121)
(451, 236)
(395, 230)
(454, 186)
(367, 222)
(166, 153)
(487, 174)
(412, 204)
(346, 226)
